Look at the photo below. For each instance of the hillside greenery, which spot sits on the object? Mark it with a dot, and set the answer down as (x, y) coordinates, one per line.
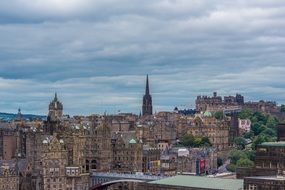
(188, 140)
(263, 127)
(240, 158)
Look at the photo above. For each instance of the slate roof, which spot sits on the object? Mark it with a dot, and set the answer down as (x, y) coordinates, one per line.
(201, 182)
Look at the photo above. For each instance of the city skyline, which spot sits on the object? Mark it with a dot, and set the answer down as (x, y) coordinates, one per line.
(96, 54)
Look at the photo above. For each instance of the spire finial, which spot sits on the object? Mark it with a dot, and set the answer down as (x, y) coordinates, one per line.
(55, 96)
(147, 85)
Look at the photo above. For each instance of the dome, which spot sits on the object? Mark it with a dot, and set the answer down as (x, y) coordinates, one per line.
(207, 114)
(132, 141)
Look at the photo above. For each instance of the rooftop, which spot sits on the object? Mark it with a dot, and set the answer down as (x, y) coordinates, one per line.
(126, 176)
(207, 114)
(201, 182)
(276, 178)
(277, 144)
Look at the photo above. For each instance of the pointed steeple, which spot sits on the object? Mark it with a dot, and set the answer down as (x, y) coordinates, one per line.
(55, 96)
(147, 100)
(147, 86)
(19, 114)
(55, 108)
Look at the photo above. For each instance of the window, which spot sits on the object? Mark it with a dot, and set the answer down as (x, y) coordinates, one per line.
(252, 187)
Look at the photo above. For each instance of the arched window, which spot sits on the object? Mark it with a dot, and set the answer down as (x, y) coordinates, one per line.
(93, 164)
(87, 165)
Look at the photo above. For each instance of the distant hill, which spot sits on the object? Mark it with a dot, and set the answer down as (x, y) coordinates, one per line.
(12, 116)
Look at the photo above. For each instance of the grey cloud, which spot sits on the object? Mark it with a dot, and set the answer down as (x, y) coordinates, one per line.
(96, 53)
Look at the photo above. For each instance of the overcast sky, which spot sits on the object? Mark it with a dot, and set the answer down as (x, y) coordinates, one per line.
(96, 53)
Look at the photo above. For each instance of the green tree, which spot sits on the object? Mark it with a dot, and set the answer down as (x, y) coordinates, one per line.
(197, 141)
(219, 115)
(248, 135)
(271, 122)
(257, 128)
(260, 139)
(187, 140)
(260, 117)
(245, 114)
(235, 155)
(269, 132)
(250, 154)
(206, 141)
(231, 167)
(245, 162)
(240, 142)
(263, 126)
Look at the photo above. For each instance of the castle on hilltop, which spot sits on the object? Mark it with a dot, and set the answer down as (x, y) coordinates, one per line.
(218, 103)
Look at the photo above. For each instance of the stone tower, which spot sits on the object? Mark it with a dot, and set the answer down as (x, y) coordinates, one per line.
(147, 100)
(55, 109)
(54, 115)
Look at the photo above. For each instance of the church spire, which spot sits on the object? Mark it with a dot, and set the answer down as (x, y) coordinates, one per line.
(147, 100)
(55, 96)
(147, 86)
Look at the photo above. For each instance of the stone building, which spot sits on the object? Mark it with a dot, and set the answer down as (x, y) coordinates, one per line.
(217, 103)
(216, 131)
(156, 129)
(244, 125)
(271, 156)
(54, 116)
(122, 122)
(55, 109)
(8, 143)
(199, 161)
(56, 173)
(54, 163)
(127, 153)
(25, 169)
(151, 160)
(269, 161)
(264, 183)
(263, 106)
(9, 177)
(168, 164)
(59, 161)
(12, 142)
(103, 148)
(281, 132)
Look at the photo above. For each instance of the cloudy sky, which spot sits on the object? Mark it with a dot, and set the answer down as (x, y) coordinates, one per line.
(96, 53)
